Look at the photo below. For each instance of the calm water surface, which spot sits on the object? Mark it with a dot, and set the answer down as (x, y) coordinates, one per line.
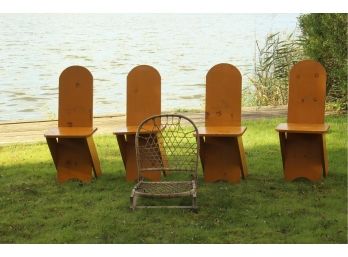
(35, 48)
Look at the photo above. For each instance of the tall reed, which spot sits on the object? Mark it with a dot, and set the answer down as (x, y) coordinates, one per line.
(273, 62)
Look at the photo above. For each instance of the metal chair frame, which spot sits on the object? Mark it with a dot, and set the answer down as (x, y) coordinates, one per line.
(163, 143)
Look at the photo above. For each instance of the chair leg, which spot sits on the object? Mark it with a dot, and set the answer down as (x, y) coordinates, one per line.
(133, 200)
(324, 156)
(94, 156)
(122, 144)
(242, 157)
(52, 145)
(282, 140)
(201, 151)
(194, 203)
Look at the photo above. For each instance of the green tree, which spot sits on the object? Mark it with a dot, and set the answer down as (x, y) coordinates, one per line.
(324, 38)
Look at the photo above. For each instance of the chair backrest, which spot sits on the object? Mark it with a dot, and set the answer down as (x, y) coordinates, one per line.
(167, 143)
(143, 94)
(223, 96)
(307, 92)
(75, 98)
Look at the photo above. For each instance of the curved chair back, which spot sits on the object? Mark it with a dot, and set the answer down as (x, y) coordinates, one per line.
(143, 94)
(307, 92)
(223, 96)
(167, 143)
(75, 98)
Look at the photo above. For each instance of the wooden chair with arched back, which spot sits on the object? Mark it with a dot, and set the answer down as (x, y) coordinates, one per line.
(222, 152)
(71, 143)
(143, 101)
(302, 138)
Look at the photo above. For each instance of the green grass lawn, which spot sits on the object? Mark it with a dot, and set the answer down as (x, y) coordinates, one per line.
(34, 208)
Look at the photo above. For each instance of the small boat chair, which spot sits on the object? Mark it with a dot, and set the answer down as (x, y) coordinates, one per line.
(174, 137)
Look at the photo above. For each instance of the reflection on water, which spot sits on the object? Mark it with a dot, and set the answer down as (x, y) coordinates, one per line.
(35, 48)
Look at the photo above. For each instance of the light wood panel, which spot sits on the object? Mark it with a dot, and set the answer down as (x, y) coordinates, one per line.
(222, 152)
(71, 143)
(302, 139)
(143, 101)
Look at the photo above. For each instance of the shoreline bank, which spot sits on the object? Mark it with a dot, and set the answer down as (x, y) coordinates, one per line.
(32, 131)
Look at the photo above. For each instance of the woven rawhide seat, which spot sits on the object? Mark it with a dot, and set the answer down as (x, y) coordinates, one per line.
(168, 144)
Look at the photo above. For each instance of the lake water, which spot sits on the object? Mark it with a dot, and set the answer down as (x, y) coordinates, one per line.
(36, 48)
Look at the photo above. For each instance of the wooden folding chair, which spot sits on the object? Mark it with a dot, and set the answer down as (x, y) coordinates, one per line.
(222, 152)
(143, 101)
(302, 139)
(71, 144)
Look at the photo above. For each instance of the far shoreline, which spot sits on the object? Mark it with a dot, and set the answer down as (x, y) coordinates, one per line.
(113, 115)
(33, 131)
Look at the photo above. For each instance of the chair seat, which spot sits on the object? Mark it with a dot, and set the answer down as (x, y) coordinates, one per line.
(303, 128)
(132, 130)
(129, 130)
(70, 132)
(165, 189)
(223, 131)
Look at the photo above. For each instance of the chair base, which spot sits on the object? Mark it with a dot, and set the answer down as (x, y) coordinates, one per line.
(304, 156)
(126, 145)
(223, 159)
(74, 158)
(173, 189)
